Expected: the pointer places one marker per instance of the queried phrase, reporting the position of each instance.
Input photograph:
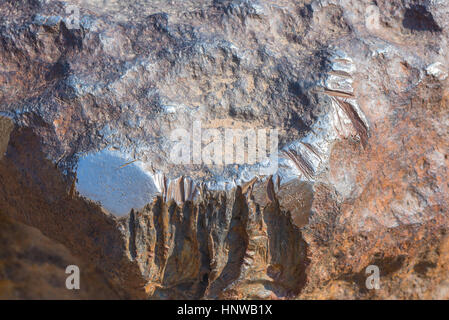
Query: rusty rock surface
(358, 91)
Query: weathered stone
(357, 90)
(34, 267)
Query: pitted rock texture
(357, 89)
(224, 248)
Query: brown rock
(358, 92)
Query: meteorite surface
(231, 149)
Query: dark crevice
(417, 18)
